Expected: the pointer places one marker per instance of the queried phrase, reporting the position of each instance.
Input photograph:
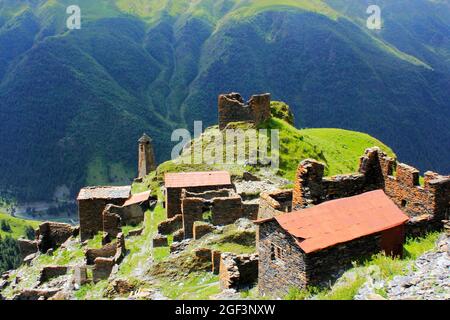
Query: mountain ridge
(166, 71)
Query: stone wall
(108, 250)
(192, 210)
(326, 265)
(171, 225)
(277, 276)
(238, 271)
(226, 210)
(250, 209)
(275, 203)
(106, 259)
(174, 196)
(114, 217)
(51, 272)
(283, 265)
(201, 229)
(51, 235)
(91, 215)
(378, 171)
(311, 188)
(27, 247)
(232, 108)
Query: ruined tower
(233, 108)
(147, 162)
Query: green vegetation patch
(338, 149)
(15, 227)
(195, 286)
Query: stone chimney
(147, 162)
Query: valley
(156, 66)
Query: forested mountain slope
(73, 103)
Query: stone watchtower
(147, 162)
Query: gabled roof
(106, 193)
(197, 179)
(145, 138)
(137, 198)
(342, 220)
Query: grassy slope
(339, 149)
(18, 226)
(104, 71)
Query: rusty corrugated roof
(342, 220)
(197, 179)
(90, 193)
(137, 198)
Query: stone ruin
(91, 204)
(131, 213)
(275, 203)
(233, 108)
(238, 271)
(107, 258)
(426, 205)
(217, 207)
(49, 235)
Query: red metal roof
(342, 220)
(197, 179)
(137, 198)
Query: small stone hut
(192, 182)
(310, 246)
(91, 203)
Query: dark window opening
(404, 203)
(272, 252)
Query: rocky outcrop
(27, 247)
(36, 294)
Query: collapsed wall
(238, 271)
(232, 108)
(275, 203)
(426, 205)
(225, 207)
(49, 235)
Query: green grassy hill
(340, 150)
(11, 229)
(18, 226)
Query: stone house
(192, 182)
(310, 246)
(91, 204)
